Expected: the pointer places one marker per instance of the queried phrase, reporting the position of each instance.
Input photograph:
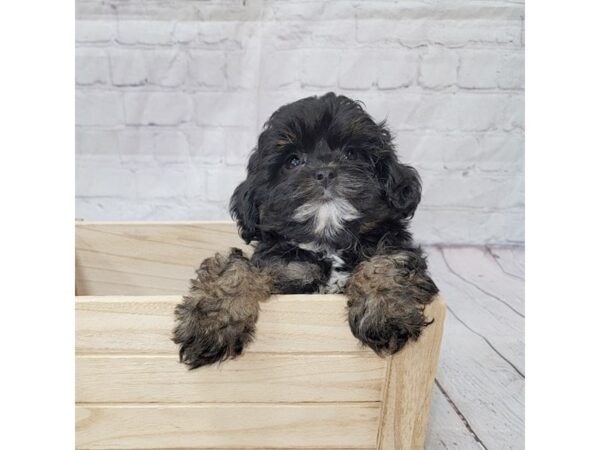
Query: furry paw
(386, 299)
(216, 320)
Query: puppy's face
(323, 173)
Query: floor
(478, 401)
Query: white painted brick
(270, 101)
(306, 11)
(468, 112)
(511, 73)
(113, 209)
(239, 144)
(440, 226)
(185, 32)
(91, 66)
(339, 33)
(396, 69)
(162, 146)
(501, 153)
(225, 109)
(240, 68)
(320, 68)
(190, 211)
(467, 140)
(478, 69)
(451, 33)
(289, 35)
(391, 31)
(224, 34)
(207, 145)
(207, 68)
(282, 69)
(128, 67)
(157, 108)
(398, 112)
(514, 113)
(438, 69)
(96, 144)
(472, 190)
(153, 32)
(98, 108)
(102, 181)
(94, 31)
(459, 33)
(357, 71)
(136, 147)
(439, 152)
(166, 68)
(164, 182)
(220, 185)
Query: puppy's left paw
(386, 299)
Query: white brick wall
(171, 95)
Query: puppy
(327, 205)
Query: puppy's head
(323, 172)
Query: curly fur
(327, 205)
(217, 318)
(386, 298)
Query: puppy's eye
(348, 154)
(293, 161)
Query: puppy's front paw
(217, 319)
(386, 299)
(207, 334)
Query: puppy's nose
(325, 176)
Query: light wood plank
(289, 323)
(484, 315)
(145, 258)
(410, 379)
(226, 426)
(510, 259)
(252, 378)
(478, 267)
(483, 386)
(446, 431)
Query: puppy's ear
(402, 188)
(401, 183)
(244, 210)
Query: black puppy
(327, 204)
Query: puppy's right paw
(217, 319)
(207, 334)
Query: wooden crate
(304, 383)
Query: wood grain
(252, 378)
(489, 319)
(483, 387)
(287, 324)
(349, 425)
(481, 270)
(145, 258)
(410, 379)
(446, 430)
(304, 383)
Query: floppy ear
(402, 187)
(401, 183)
(244, 210)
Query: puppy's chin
(327, 216)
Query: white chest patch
(338, 278)
(328, 216)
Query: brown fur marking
(217, 318)
(386, 298)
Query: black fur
(327, 205)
